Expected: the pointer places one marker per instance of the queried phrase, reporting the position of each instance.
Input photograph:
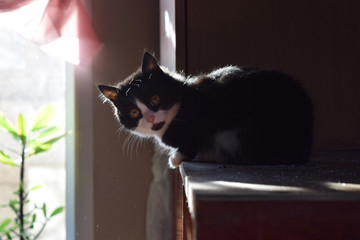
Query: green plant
(34, 140)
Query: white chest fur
(225, 145)
(149, 118)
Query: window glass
(29, 79)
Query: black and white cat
(233, 115)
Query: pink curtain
(9, 5)
(61, 19)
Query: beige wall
(121, 174)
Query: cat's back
(269, 111)
(251, 85)
(247, 86)
(219, 76)
(247, 77)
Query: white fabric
(159, 217)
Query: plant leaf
(6, 159)
(21, 128)
(55, 139)
(44, 209)
(36, 187)
(43, 117)
(4, 224)
(33, 220)
(14, 206)
(47, 132)
(39, 147)
(8, 126)
(57, 211)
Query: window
(29, 79)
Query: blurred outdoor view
(29, 79)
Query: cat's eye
(155, 100)
(134, 113)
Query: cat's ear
(111, 93)
(149, 64)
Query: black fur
(269, 112)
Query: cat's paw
(176, 159)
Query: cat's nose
(150, 118)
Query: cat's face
(147, 101)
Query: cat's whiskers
(120, 130)
(136, 142)
(130, 146)
(141, 143)
(125, 143)
(132, 143)
(128, 143)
